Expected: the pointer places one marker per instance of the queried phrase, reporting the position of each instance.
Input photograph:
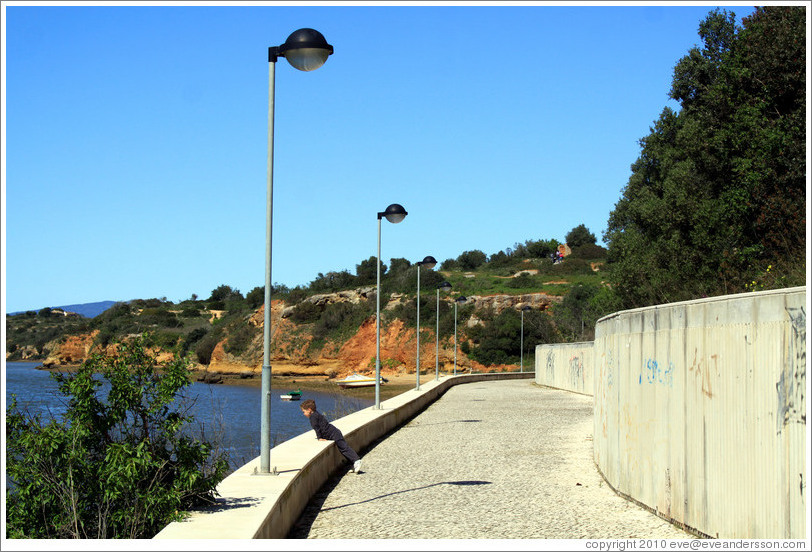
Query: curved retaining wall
(700, 411)
(267, 506)
(566, 366)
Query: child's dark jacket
(324, 429)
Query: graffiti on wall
(654, 373)
(577, 371)
(792, 384)
(702, 373)
(550, 366)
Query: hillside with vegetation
(715, 205)
(323, 328)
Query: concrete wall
(267, 506)
(700, 411)
(566, 366)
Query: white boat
(292, 395)
(357, 380)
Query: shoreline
(291, 377)
(396, 385)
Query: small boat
(292, 395)
(357, 380)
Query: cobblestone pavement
(496, 460)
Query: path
(496, 460)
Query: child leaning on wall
(325, 431)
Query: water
(227, 412)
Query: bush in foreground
(120, 462)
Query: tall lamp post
(429, 262)
(445, 286)
(457, 301)
(521, 347)
(394, 214)
(306, 50)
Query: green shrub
(192, 338)
(471, 260)
(190, 312)
(119, 464)
(588, 251)
(341, 319)
(522, 281)
(306, 312)
(240, 337)
(205, 347)
(160, 317)
(256, 296)
(498, 341)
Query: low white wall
(700, 411)
(253, 506)
(566, 366)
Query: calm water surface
(227, 412)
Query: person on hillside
(325, 431)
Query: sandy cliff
(291, 354)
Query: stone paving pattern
(498, 460)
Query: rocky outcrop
(354, 296)
(28, 352)
(498, 303)
(74, 350)
(224, 363)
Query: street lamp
(394, 214)
(445, 286)
(429, 262)
(456, 302)
(521, 347)
(306, 50)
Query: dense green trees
(580, 235)
(120, 463)
(366, 271)
(499, 339)
(717, 195)
(471, 260)
(579, 309)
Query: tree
(450, 264)
(224, 293)
(471, 260)
(334, 281)
(256, 297)
(580, 309)
(580, 235)
(500, 258)
(367, 271)
(718, 192)
(499, 341)
(399, 265)
(542, 249)
(120, 463)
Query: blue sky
(135, 136)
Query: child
(326, 431)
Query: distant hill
(88, 310)
(224, 333)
